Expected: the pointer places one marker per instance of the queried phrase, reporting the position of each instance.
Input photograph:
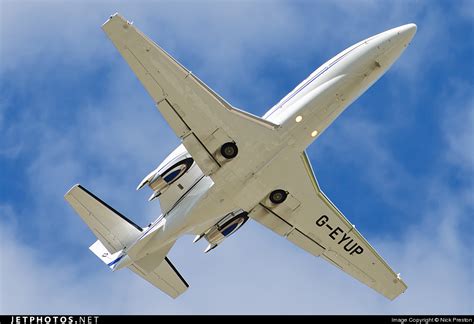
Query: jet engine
(223, 228)
(160, 179)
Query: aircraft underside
(233, 166)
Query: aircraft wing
(165, 277)
(201, 118)
(310, 220)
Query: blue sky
(399, 163)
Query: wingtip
(69, 192)
(401, 289)
(115, 16)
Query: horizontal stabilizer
(114, 230)
(165, 277)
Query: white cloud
(458, 124)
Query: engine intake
(223, 229)
(161, 178)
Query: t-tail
(116, 234)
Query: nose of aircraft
(397, 37)
(406, 32)
(389, 45)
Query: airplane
(232, 166)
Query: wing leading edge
(311, 221)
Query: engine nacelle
(173, 168)
(224, 228)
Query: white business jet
(233, 166)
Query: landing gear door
(207, 162)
